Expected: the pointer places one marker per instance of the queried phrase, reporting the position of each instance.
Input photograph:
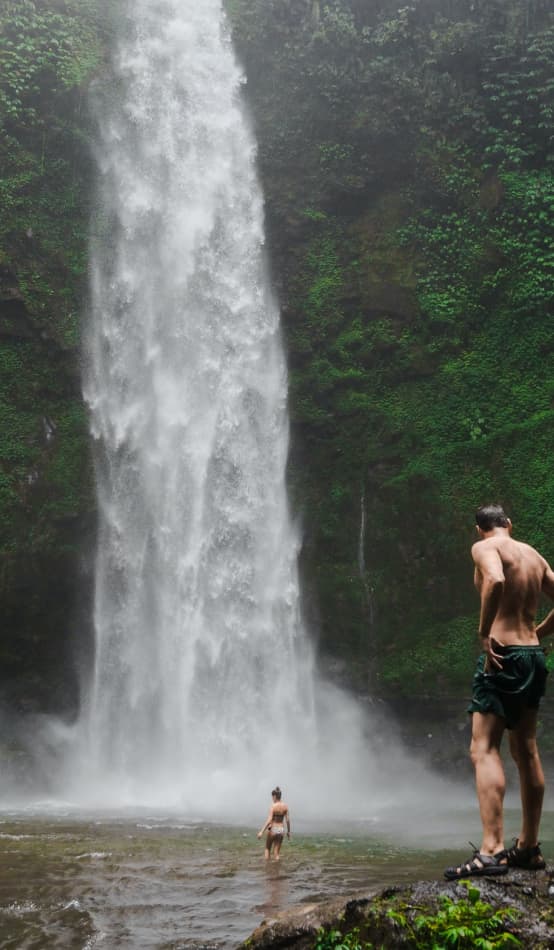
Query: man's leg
(523, 746)
(486, 736)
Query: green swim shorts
(518, 686)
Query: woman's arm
(267, 823)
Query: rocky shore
(418, 915)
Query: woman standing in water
(275, 825)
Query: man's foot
(530, 859)
(479, 865)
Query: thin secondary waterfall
(202, 666)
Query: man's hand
(493, 660)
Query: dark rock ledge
(523, 891)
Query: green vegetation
(334, 940)
(439, 662)
(457, 925)
(461, 925)
(46, 55)
(48, 52)
(406, 156)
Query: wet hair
(491, 516)
(276, 793)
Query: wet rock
(530, 894)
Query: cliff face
(48, 51)
(404, 152)
(405, 155)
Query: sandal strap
(483, 860)
(523, 857)
(477, 865)
(532, 851)
(488, 859)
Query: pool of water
(153, 881)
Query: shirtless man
(507, 687)
(275, 825)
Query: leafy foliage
(334, 940)
(44, 52)
(405, 151)
(457, 925)
(466, 923)
(49, 49)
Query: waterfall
(204, 681)
(202, 666)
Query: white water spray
(204, 680)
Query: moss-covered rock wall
(406, 155)
(49, 51)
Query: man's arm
(488, 564)
(547, 585)
(546, 626)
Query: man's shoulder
(487, 555)
(527, 549)
(506, 548)
(486, 544)
(525, 556)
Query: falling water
(202, 665)
(204, 680)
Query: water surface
(147, 881)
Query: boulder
(386, 918)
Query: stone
(528, 893)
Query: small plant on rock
(461, 925)
(334, 940)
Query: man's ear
(479, 531)
(510, 525)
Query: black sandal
(529, 859)
(479, 865)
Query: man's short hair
(491, 516)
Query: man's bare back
(520, 575)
